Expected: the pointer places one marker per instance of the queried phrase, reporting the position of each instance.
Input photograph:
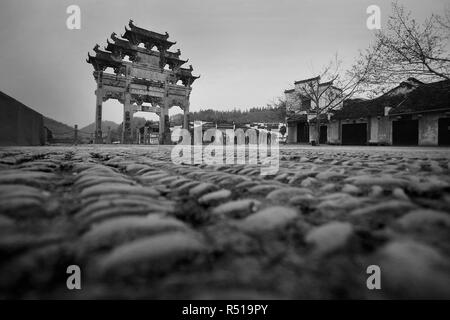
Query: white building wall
(373, 138)
(292, 132)
(333, 132)
(428, 130)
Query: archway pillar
(186, 116)
(164, 125)
(127, 115)
(146, 135)
(98, 115)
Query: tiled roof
(354, 109)
(426, 97)
(417, 97)
(297, 117)
(307, 80)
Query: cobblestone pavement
(141, 227)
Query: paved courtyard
(140, 226)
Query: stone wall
(19, 125)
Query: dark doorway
(405, 132)
(303, 132)
(323, 135)
(444, 132)
(354, 134)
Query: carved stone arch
(154, 86)
(151, 109)
(176, 102)
(121, 70)
(154, 101)
(137, 98)
(113, 95)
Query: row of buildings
(413, 113)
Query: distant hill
(61, 130)
(62, 133)
(258, 115)
(57, 128)
(105, 124)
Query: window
(306, 104)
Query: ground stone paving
(140, 226)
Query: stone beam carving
(113, 95)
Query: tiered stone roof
(128, 45)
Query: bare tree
(328, 91)
(406, 48)
(279, 104)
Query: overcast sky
(247, 51)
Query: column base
(98, 138)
